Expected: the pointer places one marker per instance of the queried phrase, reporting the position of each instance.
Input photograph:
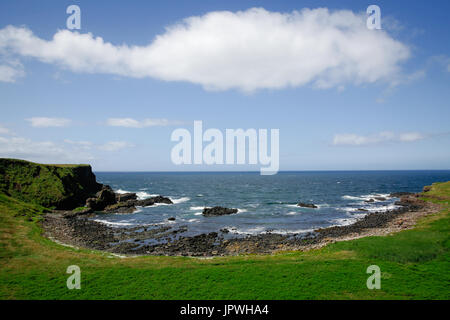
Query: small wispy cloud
(44, 122)
(110, 146)
(4, 130)
(133, 123)
(441, 60)
(386, 136)
(47, 151)
(84, 145)
(115, 146)
(10, 73)
(80, 143)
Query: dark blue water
(265, 203)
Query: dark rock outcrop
(129, 206)
(151, 201)
(105, 197)
(218, 211)
(410, 201)
(122, 197)
(121, 207)
(400, 194)
(307, 205)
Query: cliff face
(52, 186)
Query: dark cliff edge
(63, 187)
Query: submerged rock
(218, 211)
(307, 205)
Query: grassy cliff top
(62, 186)
(19, 161)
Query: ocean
(265, 203)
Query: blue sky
(339, 112)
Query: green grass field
(414, 264)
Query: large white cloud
(247, 50)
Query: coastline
(79, 231)
(418, 256)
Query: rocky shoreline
(78, 230)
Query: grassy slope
(415, 264)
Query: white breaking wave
(382, 208)
(197, 208)
(284, 232)
(163, 222)
(141, 195)
(366, 197)
(349, 209)
(246, 231)
(138, 209)
(261, 230)
(180, 200)
(116, 224)
(344, 221)
(242, 210)
(157, 204)
(198, 213)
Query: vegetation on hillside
(52, 186)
